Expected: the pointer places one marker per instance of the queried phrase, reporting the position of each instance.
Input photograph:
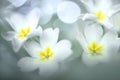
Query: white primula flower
(100, 11)
(46, 55)
(24, 27)
(98, 47)
(68, 11)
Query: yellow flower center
(24, 32)
(101, 16)
(46, 55)
(95, 49)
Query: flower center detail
(101, 16)
(95, 49)
(24, 32)
(46, 55)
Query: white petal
(82, 40)
(47, 69)
(89, 4)
(49, 37)
(17, 3)
(107, 24)
(17, 21)
(93, 33)
(33, 18)
(32, 48)
(28, 64)
(104, 2)
(49, 6)
(62, 50)
(17, 44)
(8, 36)
(89, 17)
(89, 60)
(46, 13)
(115, 9)
(36, 32)
(68, 11)
(54, 4)
(110, 43)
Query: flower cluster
(98, 36)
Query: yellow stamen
(95, 49)
(24, 32)
(101, 16)
(46, 55)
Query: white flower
(48, 8)
(98, 47)
(24, 27)
(100, 11)
(46, 55)
(68, 11)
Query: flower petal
(36, 32)
(8, 36)
(107, 24)
(17, 44)
(88, 16)
(62, 50)
(111, 44)
(32, 48)
(82, 40)
(47, 12)
(89, 4)
(114, 9)
(33, 18)
(88, 59)
(65, 14)
(28, 64)
(93, 33)
(104, 2)
(49, 37)
(16, 21)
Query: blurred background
(76, 69)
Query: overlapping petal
(49, 37)
(62, 50)
(28, 64)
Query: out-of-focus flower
(100, 11)
(68, 11)
(98, 47)
(46, 55)
(48, 8)
(24, 27)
